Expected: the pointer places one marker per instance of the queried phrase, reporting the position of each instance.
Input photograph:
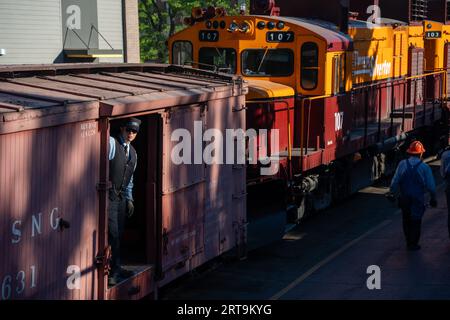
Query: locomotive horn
(220, 12)
(244, 27)
(233, 27)
(264, 7)
(197, 13)
(188, 21)
(210, 13)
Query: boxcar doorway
(137, 245)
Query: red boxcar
(54, 131)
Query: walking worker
(122, 164)
(413, 179)
(445, 173)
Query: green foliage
(159, 19)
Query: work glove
(130, 208)
(390, 196)
(433, 203)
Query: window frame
(218, 48)
(339, 70)
(310, 68)
(173, 51)
(292, 56)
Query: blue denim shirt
(112, 153)
(423, 170)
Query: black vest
(121, 169)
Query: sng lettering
(36, 225)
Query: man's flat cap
(132, 123)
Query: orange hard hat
(416, 148)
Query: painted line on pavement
(304, 276)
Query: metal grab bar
(401, 82)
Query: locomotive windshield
(267, 62)
(218, 59)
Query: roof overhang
(93, 53)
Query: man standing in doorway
(122, 164)
(413, 179)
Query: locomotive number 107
(280, 36)
(208, 35)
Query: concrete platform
(423, 274)
(328, 256)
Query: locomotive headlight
(271, 25)
(429, 26)
(280, 25)
(208, 24)
(233, 27)
(261, 25)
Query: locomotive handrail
(423, 75)
(400, 81)
(302, 132)
(288, 125)
(216, 69)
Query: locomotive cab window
(268, 62)
(182, 52)
(338, 74)
(218, 59)
(309, 65)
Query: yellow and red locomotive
(344, 94)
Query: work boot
(415, 235)
(407, 226)
(407, 231)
